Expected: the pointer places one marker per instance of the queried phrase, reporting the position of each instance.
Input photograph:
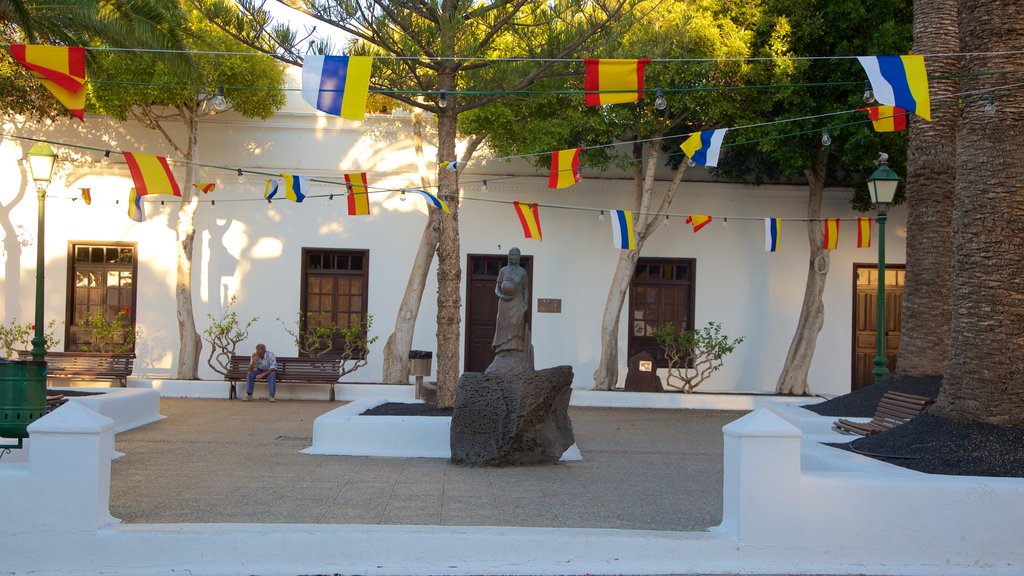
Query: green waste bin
(22, 396)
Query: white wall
(246, 248)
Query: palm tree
(122, 23)
(982, 380)
(931, 182)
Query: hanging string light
(241, 176)
(220, 103)
(483, 187)
(106, 158)
(659, 99)
(330, 200)
(601, 216)
(442, 99)
(990, 107)
(826, 138)
(402, 196)
(869, 94)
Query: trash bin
(420, 362)
(22, 396)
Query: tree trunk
(793, 379)
(607, 374)
(449, 268)
(189, 344)
(982, 380)
(931, 184)
(396, 349)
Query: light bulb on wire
(442, 98)
(826, 138)
(241, 176)
(106, 158)
(601, 216)
(869, 94)
(666, 220)
(483, 187)
(220, 103)
(330, 200)
(402, 196)
(659, 100)
(690, 162)
(990, 107)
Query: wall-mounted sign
(549, 305)
(646, 365)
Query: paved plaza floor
(213, 461)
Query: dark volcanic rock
(638, 380)
(512, 419)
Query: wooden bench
(894, 408)
(87, 365)
(323, 370)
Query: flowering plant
(14, 336)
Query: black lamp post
(40, 162)
(882, 187)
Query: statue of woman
(510, 334)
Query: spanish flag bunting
(886, 118)
(698, 221)
(61, 69)
(530, 220)
(151, 174)
(205, 187)
(358, 199)
(437, 202)
(899, 81)
(337, 85)
(771, 234)
(831, 234)
(622, 230)
(863, 232)
(136, 207)
(565, 168)
(610, 81)
(86, 195)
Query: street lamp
(882, 187)
(40, 162)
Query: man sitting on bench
(262, 365)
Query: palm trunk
(396, 349)
(449, 268)
(190, 346)
(931, 185)
(982, 380)
(793, 379)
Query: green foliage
(693, 355)
(316, 336)
(224, 334)
(790, 28)
(129, 80)
(102, 334)
(14, 336)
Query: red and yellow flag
(530, 219)
(610, 81)
(565, 168)
(358, 199)
(863, 232)
(698, 221)
(61, 69)
(830, 240)
(151, 174)
(205, 187)
(86, 195)
(886, 118)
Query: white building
(272, 256)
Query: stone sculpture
(511, 344)
(512, 419)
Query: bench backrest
(289, 368)
(86, 362)
(900, 406)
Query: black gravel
(928, 443)
(407, 409)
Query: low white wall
(878, 513)
(778, 518)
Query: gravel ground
(928, 443)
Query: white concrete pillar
(69, 464)
(762, 477)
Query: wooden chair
(894, 408)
